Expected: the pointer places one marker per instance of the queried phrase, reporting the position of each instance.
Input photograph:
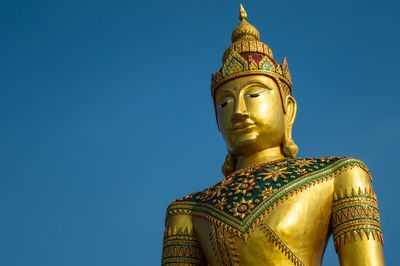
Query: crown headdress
(247, 55)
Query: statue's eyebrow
(252, 83)
(221, 94)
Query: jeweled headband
(248, 56)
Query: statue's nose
(238, 117)
(240, 111)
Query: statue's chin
(246, 144)
(253, 142)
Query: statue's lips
(243, 126)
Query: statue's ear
(290, 148)
(291, 110)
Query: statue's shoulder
(183, 206)
(178, 219)
(351, 174)
(348, 173)
(184, 201)
(343, 167)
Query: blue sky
(106, 114)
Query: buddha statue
(271, 208)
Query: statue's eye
(254, 95)
(224, 103)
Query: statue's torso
(297, 229)
(273, 214)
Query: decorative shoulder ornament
(247, 55)
(242, 199)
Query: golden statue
(271, 208)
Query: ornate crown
(248, 56)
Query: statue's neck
(263, 156)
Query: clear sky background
(106, 115)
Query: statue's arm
(355, 219)
(181, 246)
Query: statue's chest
(299, 223)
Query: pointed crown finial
(242, 13)
(244, 30)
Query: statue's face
(250, 114)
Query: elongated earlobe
(289, 148)
(229, 164)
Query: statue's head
(252, 97)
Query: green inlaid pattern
(242, 197)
